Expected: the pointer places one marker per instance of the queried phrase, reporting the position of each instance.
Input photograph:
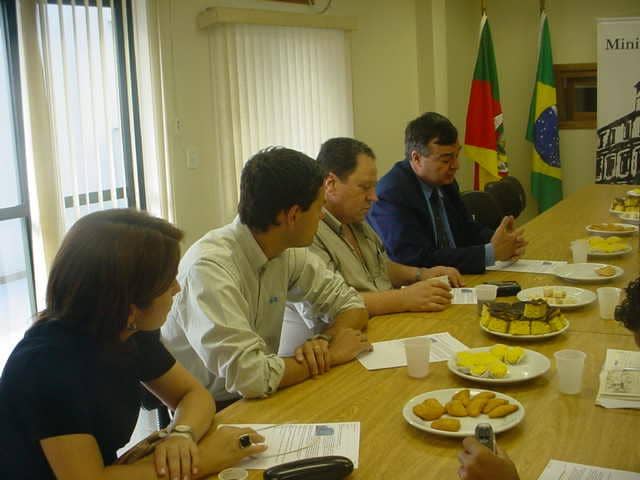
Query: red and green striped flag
(484, 135)
(542, 131)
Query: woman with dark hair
(69, 393)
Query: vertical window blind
(275, 85)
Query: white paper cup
(580, 250)
(233, 474)
(608, 299)
(485, 294)
(570, 367)
(417, 351)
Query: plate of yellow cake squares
(498, 364)
(524, 320)
(558, 296)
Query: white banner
(618, 148)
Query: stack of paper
(557, 470)
(528, 266)
(620, 380)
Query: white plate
(585, 272)
(597, 253)
(627, 217)
(531, 366)
(467, 424)
(634, 193)
(610, 233)
(617, 213)
(583, 297)
(526, 337)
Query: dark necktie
(442, 238)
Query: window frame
(134, 178)
(22, 210)
(568, 77)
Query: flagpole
(541, 6)
(483, 7)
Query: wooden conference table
(569, 428)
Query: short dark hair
(339, 155)
(628, 312)
(108, 261)
(274, 180)
(426, 127)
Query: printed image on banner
(618, 146)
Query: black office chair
(483, 208)
(509, 195)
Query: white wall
(408, 56)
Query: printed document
(289, 442)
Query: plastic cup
(570, 366)
(233, 474)
(580, 250)
(417, 351)
(608, 299)
(485, 294)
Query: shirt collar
(428, 189)
(338, 227)
(332, 222)
(249, 246)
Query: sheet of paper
(527, 266)
(296, 441)
(620, 380)
(462, 296)
(390, 354)
(557, 470)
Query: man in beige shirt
(350, 246)
(225, 323)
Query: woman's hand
(224, 448)
(178, 456)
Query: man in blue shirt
(420, 215)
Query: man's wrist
(418, 276)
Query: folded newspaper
(620, 380)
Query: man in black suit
(419, 213)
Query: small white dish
(585, 272)
(540, 336)
(532, 365)
(631, 229)
(581, 296)
(617, 253)
(634, 193)
(467, 424)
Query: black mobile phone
(485, 435)
(508, 288)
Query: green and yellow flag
(542, 131)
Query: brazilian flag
(542, 131)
